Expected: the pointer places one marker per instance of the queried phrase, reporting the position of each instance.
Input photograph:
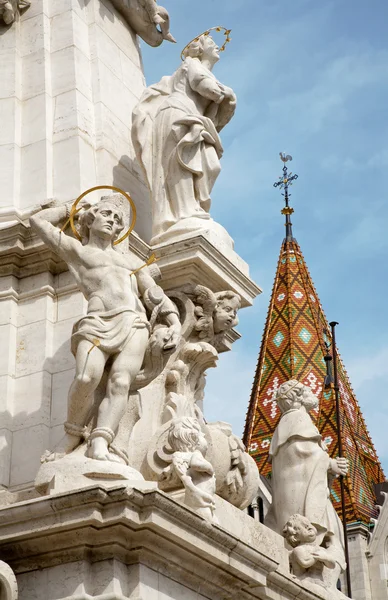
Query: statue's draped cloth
(179, 147)
(300, 485)
(113, 329)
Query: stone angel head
(216, 312)
(298, 530)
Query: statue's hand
(172, 337)
(229, 94)
(340, 466)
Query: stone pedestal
(126, 544)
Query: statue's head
(203, 47)
(105, 219)
(298, 530)
(185, 435)
(294, 394)
(225, 312)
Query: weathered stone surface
(123, 543)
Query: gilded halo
(74, 210)
(227, 33)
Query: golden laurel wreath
(227, 33)
(74, 210)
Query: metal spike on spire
(284, 182)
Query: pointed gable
(293, 348)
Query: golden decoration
(74, 211)
(152, 259)
(287, 210)
(227, 33)
(96, 343)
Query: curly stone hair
(183, 434)
(290, 531)
(293, 392)
(195, 48)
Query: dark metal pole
(340, 452)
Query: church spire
(285, 181)
(295, 345)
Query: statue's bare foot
(66, 445)
(98, 450)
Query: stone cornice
(197, 260)
(148, 527)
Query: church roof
(293, 347)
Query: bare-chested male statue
(115, 326)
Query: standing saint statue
(175, 131)
(302, 471)
(117, 289)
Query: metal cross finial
(284, 182)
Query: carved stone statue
(321, 565)
(207, 319)
(115, 329)
(149, 20)
(175, 135)
(10, 8)
(189, 445)
(302, 470)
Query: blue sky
(312, 80)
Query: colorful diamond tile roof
(293, 348)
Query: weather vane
(284, 182)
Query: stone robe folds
(300, 466)
(112, 329)
(178, 146)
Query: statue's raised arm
(113, 336)
(175, 133)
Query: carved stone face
(210, 49)
(107, 221)
(305, 532)
(310, 400)
(225, 315)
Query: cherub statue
(148, 19)
(318, 564)
(113, 337)
(189, 445)
(10, 8)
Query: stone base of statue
(125, 544)
(76, 471)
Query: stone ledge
(197, 260)
(148, 528)
(193, 260)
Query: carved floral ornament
(10, 9)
